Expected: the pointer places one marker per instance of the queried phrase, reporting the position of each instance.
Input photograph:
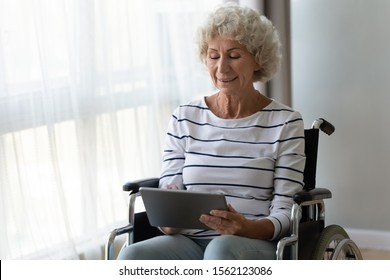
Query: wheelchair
(309, 239)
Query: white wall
(341, 71)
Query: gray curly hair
(249, 28)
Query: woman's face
(230, 65)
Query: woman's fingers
(225, 222)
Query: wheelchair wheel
(334, 244)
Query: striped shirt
(256, 161)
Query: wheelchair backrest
(311, 151)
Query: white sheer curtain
(86, 91)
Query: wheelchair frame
(309, 238)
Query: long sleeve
(288, 176)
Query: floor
(375, 254)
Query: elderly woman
(237, 142)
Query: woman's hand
(169, 230)
(231, 222)
(225, 222)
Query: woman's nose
(223, 65)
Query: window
(86, 91)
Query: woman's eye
(213, 56)
(234, 56)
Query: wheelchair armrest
(134, 186)
(314, 194)
(109, 250)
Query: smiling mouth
(227, 80)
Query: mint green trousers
(179, 247)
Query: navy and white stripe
(257, 161)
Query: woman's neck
(234, 106)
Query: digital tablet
(179, 208)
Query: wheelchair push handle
(324, 125)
